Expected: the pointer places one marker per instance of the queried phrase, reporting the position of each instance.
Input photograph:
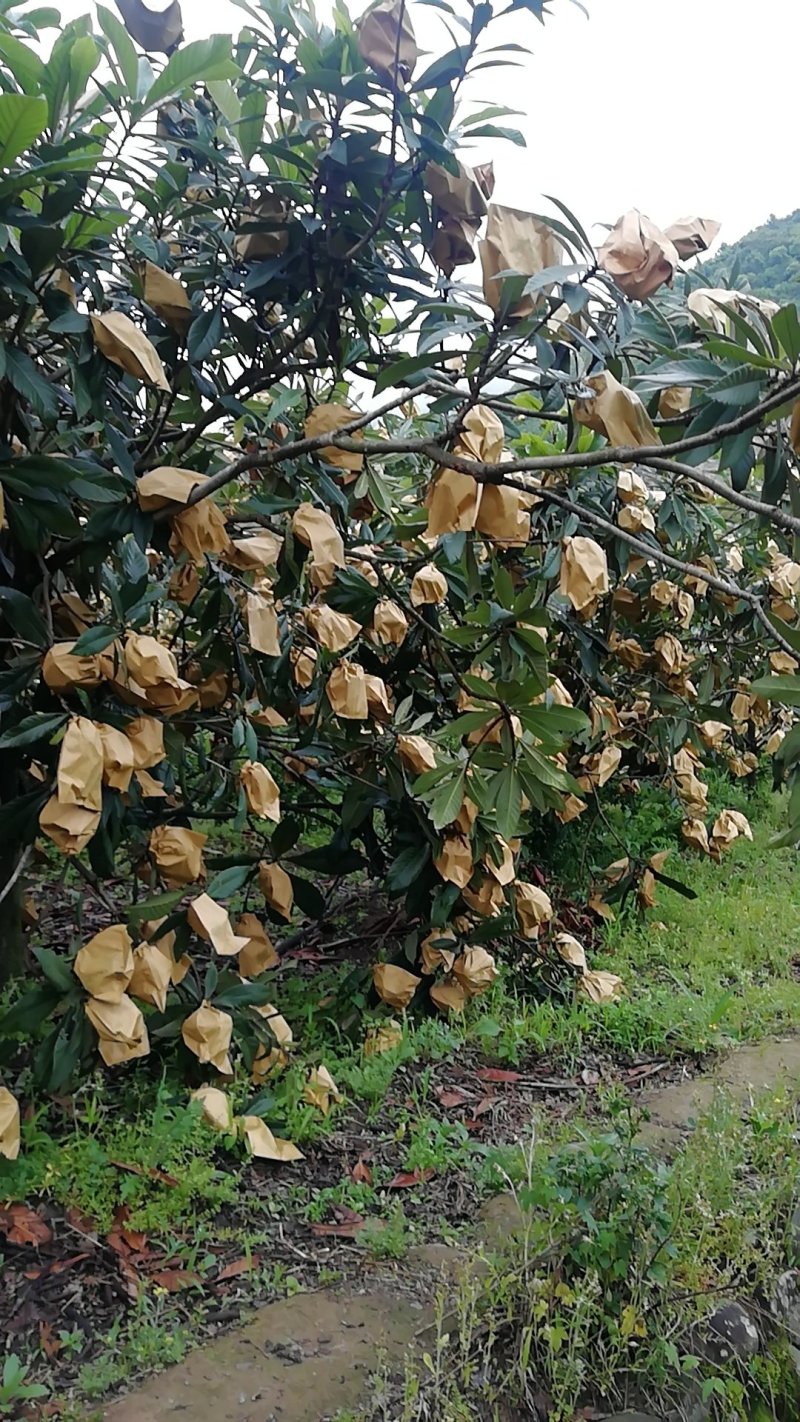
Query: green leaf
(24, 63)
(23, 117)
(448, 800)
(123, 46)
(778, 688)
(28, 383)
(250, 128)
(156, 907)
(229, 881)
(93, 640)
(407, 867)
(200, 61)
(38, 727)
(506, 796)
(24, 616)
(786, 327)
(56, 969)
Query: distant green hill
(766, 260)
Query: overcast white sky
(677, 107)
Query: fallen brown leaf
(497, 1074)
(173, 1280)
(452, 1098)
(21, 1225)
(49, 1344)
(238, 1266)
(405, 1179)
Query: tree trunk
(12, 940)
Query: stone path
(304, 1358)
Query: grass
(599, 1298)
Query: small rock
(785, 1302)
(731, 1334)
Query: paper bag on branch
(121, 1031)
(452, 502)
(516, 242)
(616, 412)
(481, 435)
(690, 235)
(379, 703)
(104, 965)
(9, 1125)
(262, 1144)
(571, 950)
(207, 1033)
(260, 791)
(69, 826)
(448, 996)
(122, 342)
(167, 297)
(394, 985)
(316, 529)
(533, 908)
(178, 854)
(457, 194)
(584, 573)
(304, 665)
(152, 975)
(320, 1090)
(383, 1037)
(695, 834)
(198, 531)
(79, 776)
(146, 736)
(327, 419)
(389, 623)
(62, 670)
(333, 630)
(258, 953)
(674, 401)
(216, 1106)
(475, 970)
(267, 233)
(387, 43)
(416, 753)
(210, 920)
(455, 862)
(453, 244)
(150, 663)
(638, 256)
(600, 986)
(255, 554)
(428, 586)
(118, 757)
(433, 950)
(276, 886)
(501, 516)
(347, 692)
(262, 625)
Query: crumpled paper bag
(168, 298)
(434, 952)
(387, 43)
(260, 791)
(455, 862)
(150, 663)
(255, 554)
(382, 1037)
(199, 531)
(481, 436)
(320, 1090)
(571, 809)
(416, 753)
(121, 1031)
(347, 691)
(165, 943)
(452, 501)
(262, 625)
(327, 419)
(453, 244)
(79, 777)
(379, 702)
(207, 1033)
(152, 975)
(125, 345)
(268, 236)
(638, 256)
(616, 412)
(210, 920)
(9, 1125)
(488, 899)
(217, 1107)
(146, 736)
(674, 401)
(533, 908)
(333, 630)
(694, 833)
(600, 986)
(304, 665)
(118, 756)
(69, 826)
(458, 194)
(389, 623)
(516, 241)
(584, 573)
(571, 950)
(62, 670)
(276, 886)
(104, 965)
(448, 995)
(429, 586)
(502, 517)
(262, 1144)
(690, 235)
(599, 768)
(475, 970)
(159, 488)
(258, 953)
(316, 529)
(728, 826)
(178, 853)
(394, 986)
